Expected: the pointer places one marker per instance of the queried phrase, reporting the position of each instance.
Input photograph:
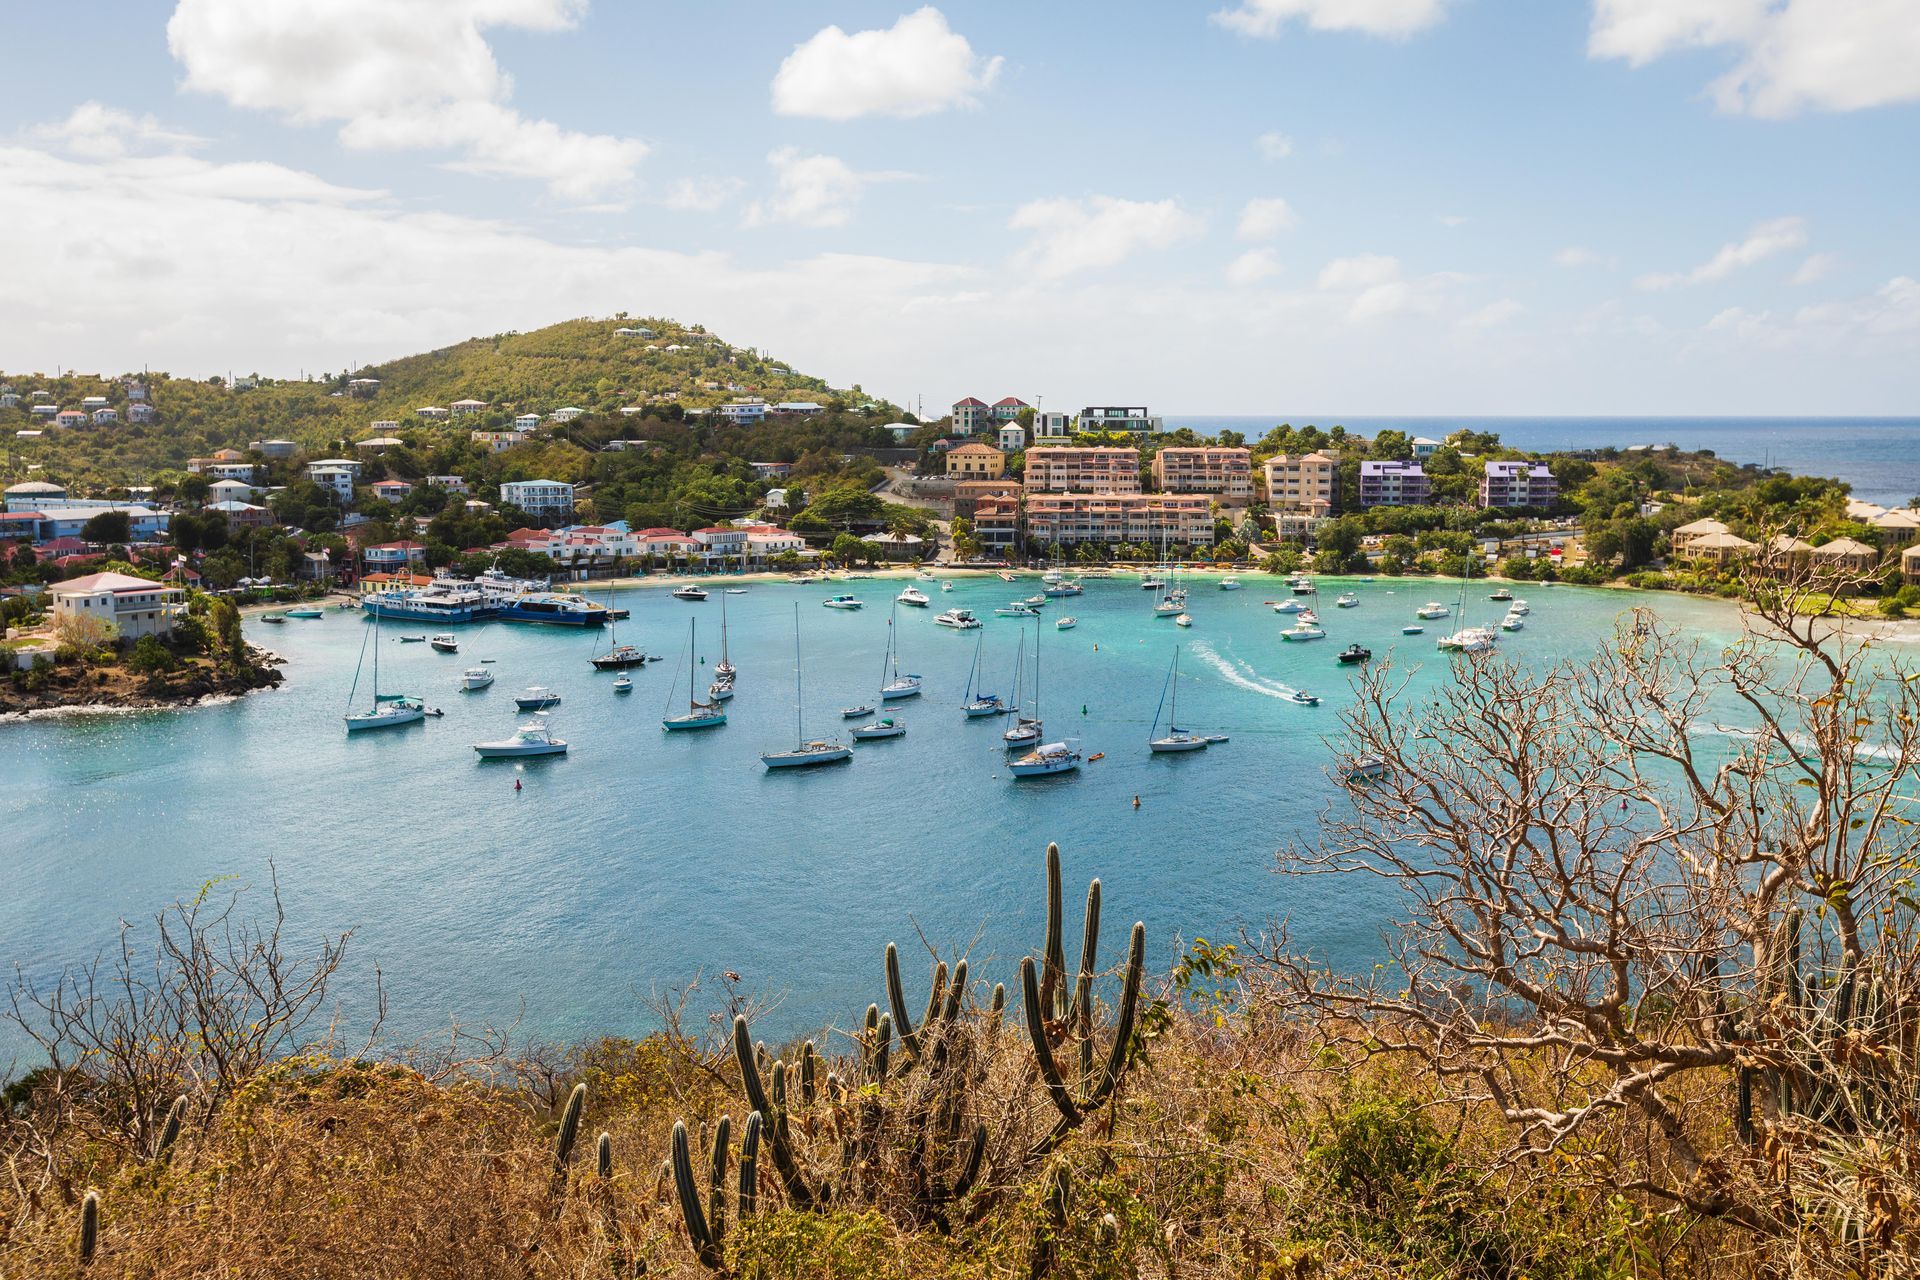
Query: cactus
(784, 1163)
(706, 1228)
(569, 1130)
(89, 1226)
(170, 1129)
(603, 1156)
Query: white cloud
(1080, 235)
(1273, 146)
(1253, 266)
(1576, 256)
(1395, 18)
(917, 66)
(1492, 315)
(96, 131)
(701, 195)
(813, 190)
(397, 76)
(1363, 271)
(1816, 268)
(1452, 220)
(1373, 286)
(1265, 218)
(1765, 240)
(1793, 55)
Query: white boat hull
(804, 759)
(516, 750)
(385, 719)
(876, 732)
(702, 721)
(1171, 746)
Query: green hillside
(580, 363)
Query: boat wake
(1239, 674)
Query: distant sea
(1878, 457)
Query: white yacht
(805, 751)
(1302, 631)
(389, 710)
(1183, 620)
(1468, 640)
(475, 678)
(958, 619)
(690, 592)
(537, 698)
(531, 739)
(874, 731)
(1054, 757)
(1229, 583)
(444, 642)
(1346, 600)
(1512, 622)
(1066, 622)
(1016, 609)
(1520, 607)
(1287, 606)
(895, 684)
(914, 596)
(1431, 609)
(1176, 739)
(841, 602)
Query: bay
(644, 858)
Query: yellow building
(976, 462)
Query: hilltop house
(526, 422)
(463, 407)
(1007, 408)
(542, 498)
(71, 418)
(363, 388)
(969, 415)
(104, 415)
(1013, 438)
(135, 606)
(568, 414)
(142, 413)
(391, 490)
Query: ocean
(643, 860)
(1878, 457)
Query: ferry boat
(554, 608)
(444, 602)
(958, 619)
(531, 739)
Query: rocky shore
(74, 686)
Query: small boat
(841, 602)
(894, 684)
(532, 739)
(1215, 739)
(690, 592)
(1167, 607)
(914, 596)
(1301, 631)
(537, 698)
(1520, 607)
(1054, 757)
(849, 713)
(623, 685)
(1065, 623)
(1015, 610)
(1412, 631)
(1346, 600)
(1512, 622)
(1229, 583)
(1501, 594)
(1308, 618)
(1366, 768)
(475, 678)
(981, 704)
(946, 586)
(389, 710)
(1302, 587)
(958, 619)
(305, 613)
(412, 639)
(1176, 739)
(1151, 583)
(698, 715)
(736, 591)
(1304, 698)
(1184, 620)
(923, 576)
(1431, 609)
(1063, 589)
(720, 691)
(1468, 640)
(1287, 606)
(1036, 602)
(445, 643)
(1006, 576)
(1355, 653)
(885, 727)
(272, 617)
(1098, 755)
(619, 658)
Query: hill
(663, 367)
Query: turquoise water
(644, 858)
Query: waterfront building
(721, 542)
(392, 556)
(1720, 548)
(1302, 484)
(135, 606)
(1393, 484)
(1070, 519)
(1224, 471)
(1069, 469)
(543, 498)
(1845, 555)
(968, 494)
(975, 461)
(1130, 418)
(1518, 484)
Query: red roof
(59, 545)
(526, 535)
(402, 545)
(719, 528)
(391, 484)
(1001, 404)
(969, 403)
(659, 533)
(114, 582)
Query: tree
(224, 568)
(150, 657)
(1391, 444)
(1621, 925)
(85, 632)
(108, 527)
(224, 621)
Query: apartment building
(976, 462)
(1073, 518)
(1221, 470)
(1117, 417)
(1394, 484)
(1083, 470)
(1518, 484)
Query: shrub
(150, 657)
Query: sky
(1219, 206)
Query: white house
(1424, 448)
(452, 484)
(722, 542)
(244, 472)
(633, 333)
(1013, 438)
(391, 490)
(526, 422)
(71, 418)
(431, 411)
(336, 476)
(799, 408)
(461, 407)
(92, 403)
(230, 491)
(104, 415)
(568, 414)
(543, 498)
(744, 410)
(135, 606)
(142, 413)
(1052, 426)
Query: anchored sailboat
(389, 709)
(1177, 739)
(723, 672)
(1026, 729)
(805, 751)
(984, 704)
(892, 684)
(699, 715)
(1050, 757)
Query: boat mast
(799, 730)
(1173, 714)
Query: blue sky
(1332, 206)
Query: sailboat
(1177, 739)
(618, 657)
(388, 709)
(699, 715)
(1026, 729)
(984, 704)
(805, 751)
(1049, 757)
(1468, 639)
(723, 671)
(893, 685)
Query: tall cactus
(569, 1130)
(170, 1130)
(706, 1227)
(785, 1163)
(89, 1226)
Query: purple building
(1518, 484)
(1394, 484)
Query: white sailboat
(1049, 757)
(723, 671)
(389, 710)
(698, 715)
(894, 685)
(806, 751)
(983, 704)
(1176, 739)
(618, 657)
(1026, 729)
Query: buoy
(1083, 708)
(1096, 648)
(516, 787)
(1136, 802)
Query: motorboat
(1184, 620)
(411, 639)
(620, 658)
(885, 727)
(273, 617)
(1061, 590)
(1016, 609)
(1354, 653)
(445, 643)
(915, 597)
(1287, 606)
(1520, 607)
(531, 739)
(1303, 698)
(1502, 594)
(1301, 631)
(624, 684)
(946, 586)
(1302, 587)
(842, 602)
(1512, 622)
(1036, 601)
(305, 613)
(1066, 622)
(958, 619)
(1412, 631)
(1431, 609)
(475, 678)
(736, 591)
(1006, 575)
(1229, 583)
(537, 698)
(1054, 757)
(690, 592)
(1366, 768)
(924, 576)
(1152, 583)
(720, 691)
(1469, 640)
(850, 713)
(1346, 600)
